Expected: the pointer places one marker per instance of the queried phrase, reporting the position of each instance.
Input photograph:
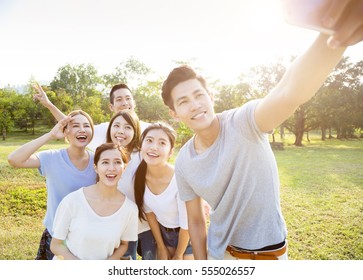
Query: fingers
(334, 12)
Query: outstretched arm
(24, 157)
(299, 84)
(42, 97)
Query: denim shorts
(171, 239)
(147, 245)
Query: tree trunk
(282, 133)
(4, 134)
(323, 133)
(307, 136)
(299, 126)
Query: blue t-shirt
(62, 178)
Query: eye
(128, 127)
(116, 125)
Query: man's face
(193, 105)
(122, 100)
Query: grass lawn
(321, 198)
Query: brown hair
(176, 76)
(132, 119)
(83, 113)
(105, 147)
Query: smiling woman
(109, 218)
(74, 161)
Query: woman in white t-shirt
(124, 130)
(96, 222)
(157, 196)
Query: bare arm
(42, 97)
(162, 251)
(299, 84)
(183, 242)
(24, 157)
(59, 249)
(197, 228)
(120, 251)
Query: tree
(130, 71)
(150, 106)
(231, 96)
(80, 81)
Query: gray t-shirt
(238, 177)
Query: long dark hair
(140, 174)
(132, 119)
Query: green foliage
(149, 105)
(23, 201)
(321, 197)
(184, 134)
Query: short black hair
(116, 87)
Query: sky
(222, 37)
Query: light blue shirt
(62, 178)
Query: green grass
(321, 198)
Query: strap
(255, 255)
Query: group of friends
(113, 194)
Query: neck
(76, 152)
(157, 170)
(205, 138)
(106, 192)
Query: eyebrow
(150, 137)
(193, 93)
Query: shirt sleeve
(45, 158)
(130, 233)
(186, 193)
(62, 219)
(182, 209)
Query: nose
(112, 166)
(195, 105)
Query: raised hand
(58, 131)
(40, 96)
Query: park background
(319, 150)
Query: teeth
(152, 155)
(198, 115)
(81, 137)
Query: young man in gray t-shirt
(229, 163)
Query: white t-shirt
(100, 132)
(169, 210)
(126, 185)
(89, 236)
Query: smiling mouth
(81, 137)
(199, 115)
(152, 155)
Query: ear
(95, 168)
(171, 152)
(110, 106)
(173, 114)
